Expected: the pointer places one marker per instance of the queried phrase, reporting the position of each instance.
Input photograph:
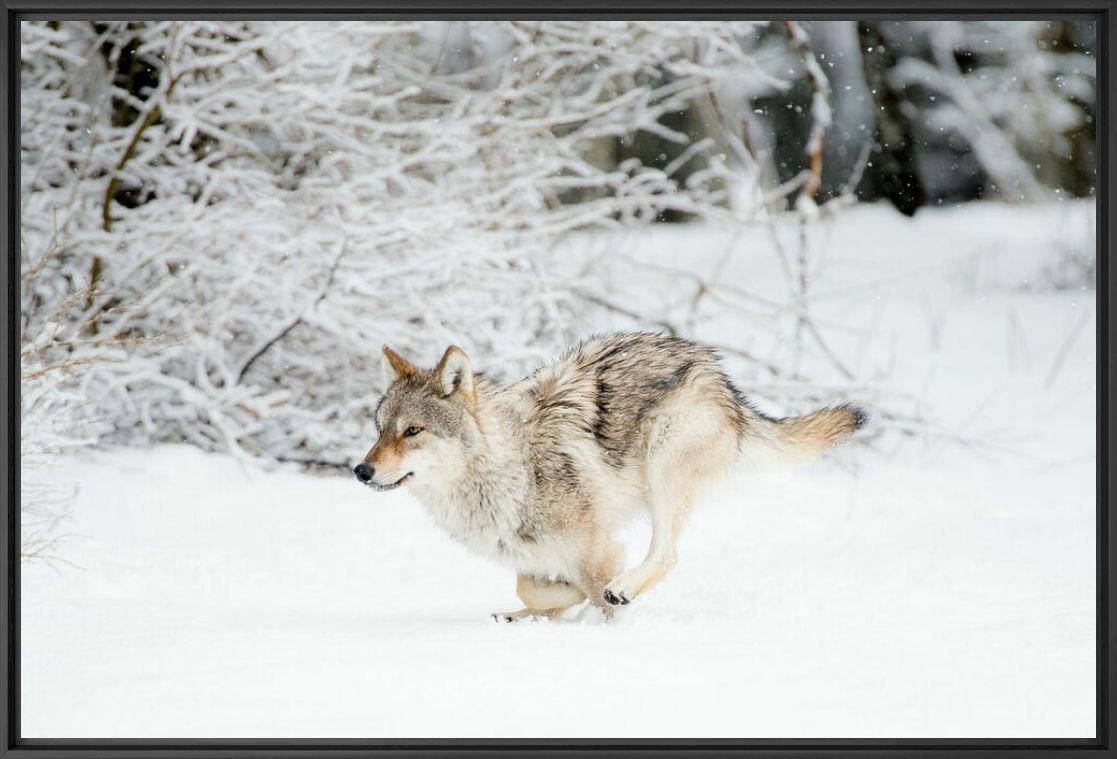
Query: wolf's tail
(769, 442)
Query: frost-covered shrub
(55, 419)
(255, 207)
(1015, 92)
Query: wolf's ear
(453, 374)
(401, 367)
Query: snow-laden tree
(255, 207)
(1016, 92)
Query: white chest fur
(490, 525)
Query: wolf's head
(425, 422)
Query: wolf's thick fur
(540, 473)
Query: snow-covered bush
(256, 207)
(238, 214)
(48, 429)
(1011, 90)
(55, 418)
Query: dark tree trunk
(893, 173)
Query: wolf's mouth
(391, 485)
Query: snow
(920, 587)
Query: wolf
(541, 473)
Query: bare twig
(312, 462)
(597, 300)
(821, 114)
(672, 329)
(1064, 350)
(297, 320)
(36, 547)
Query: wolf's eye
(412, 431)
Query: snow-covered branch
(207, 177)
(1015, 110)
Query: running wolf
(539, 474)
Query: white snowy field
(922, 587)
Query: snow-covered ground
(918, 588)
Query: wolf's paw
(616, 599)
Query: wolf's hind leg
(676, 474)
(543, 599)
(667, 507)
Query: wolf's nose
(363, 471)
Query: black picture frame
(1102, 12)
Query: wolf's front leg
(543, 599)
(602, 558)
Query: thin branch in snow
(821, 113)
(298, 320)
